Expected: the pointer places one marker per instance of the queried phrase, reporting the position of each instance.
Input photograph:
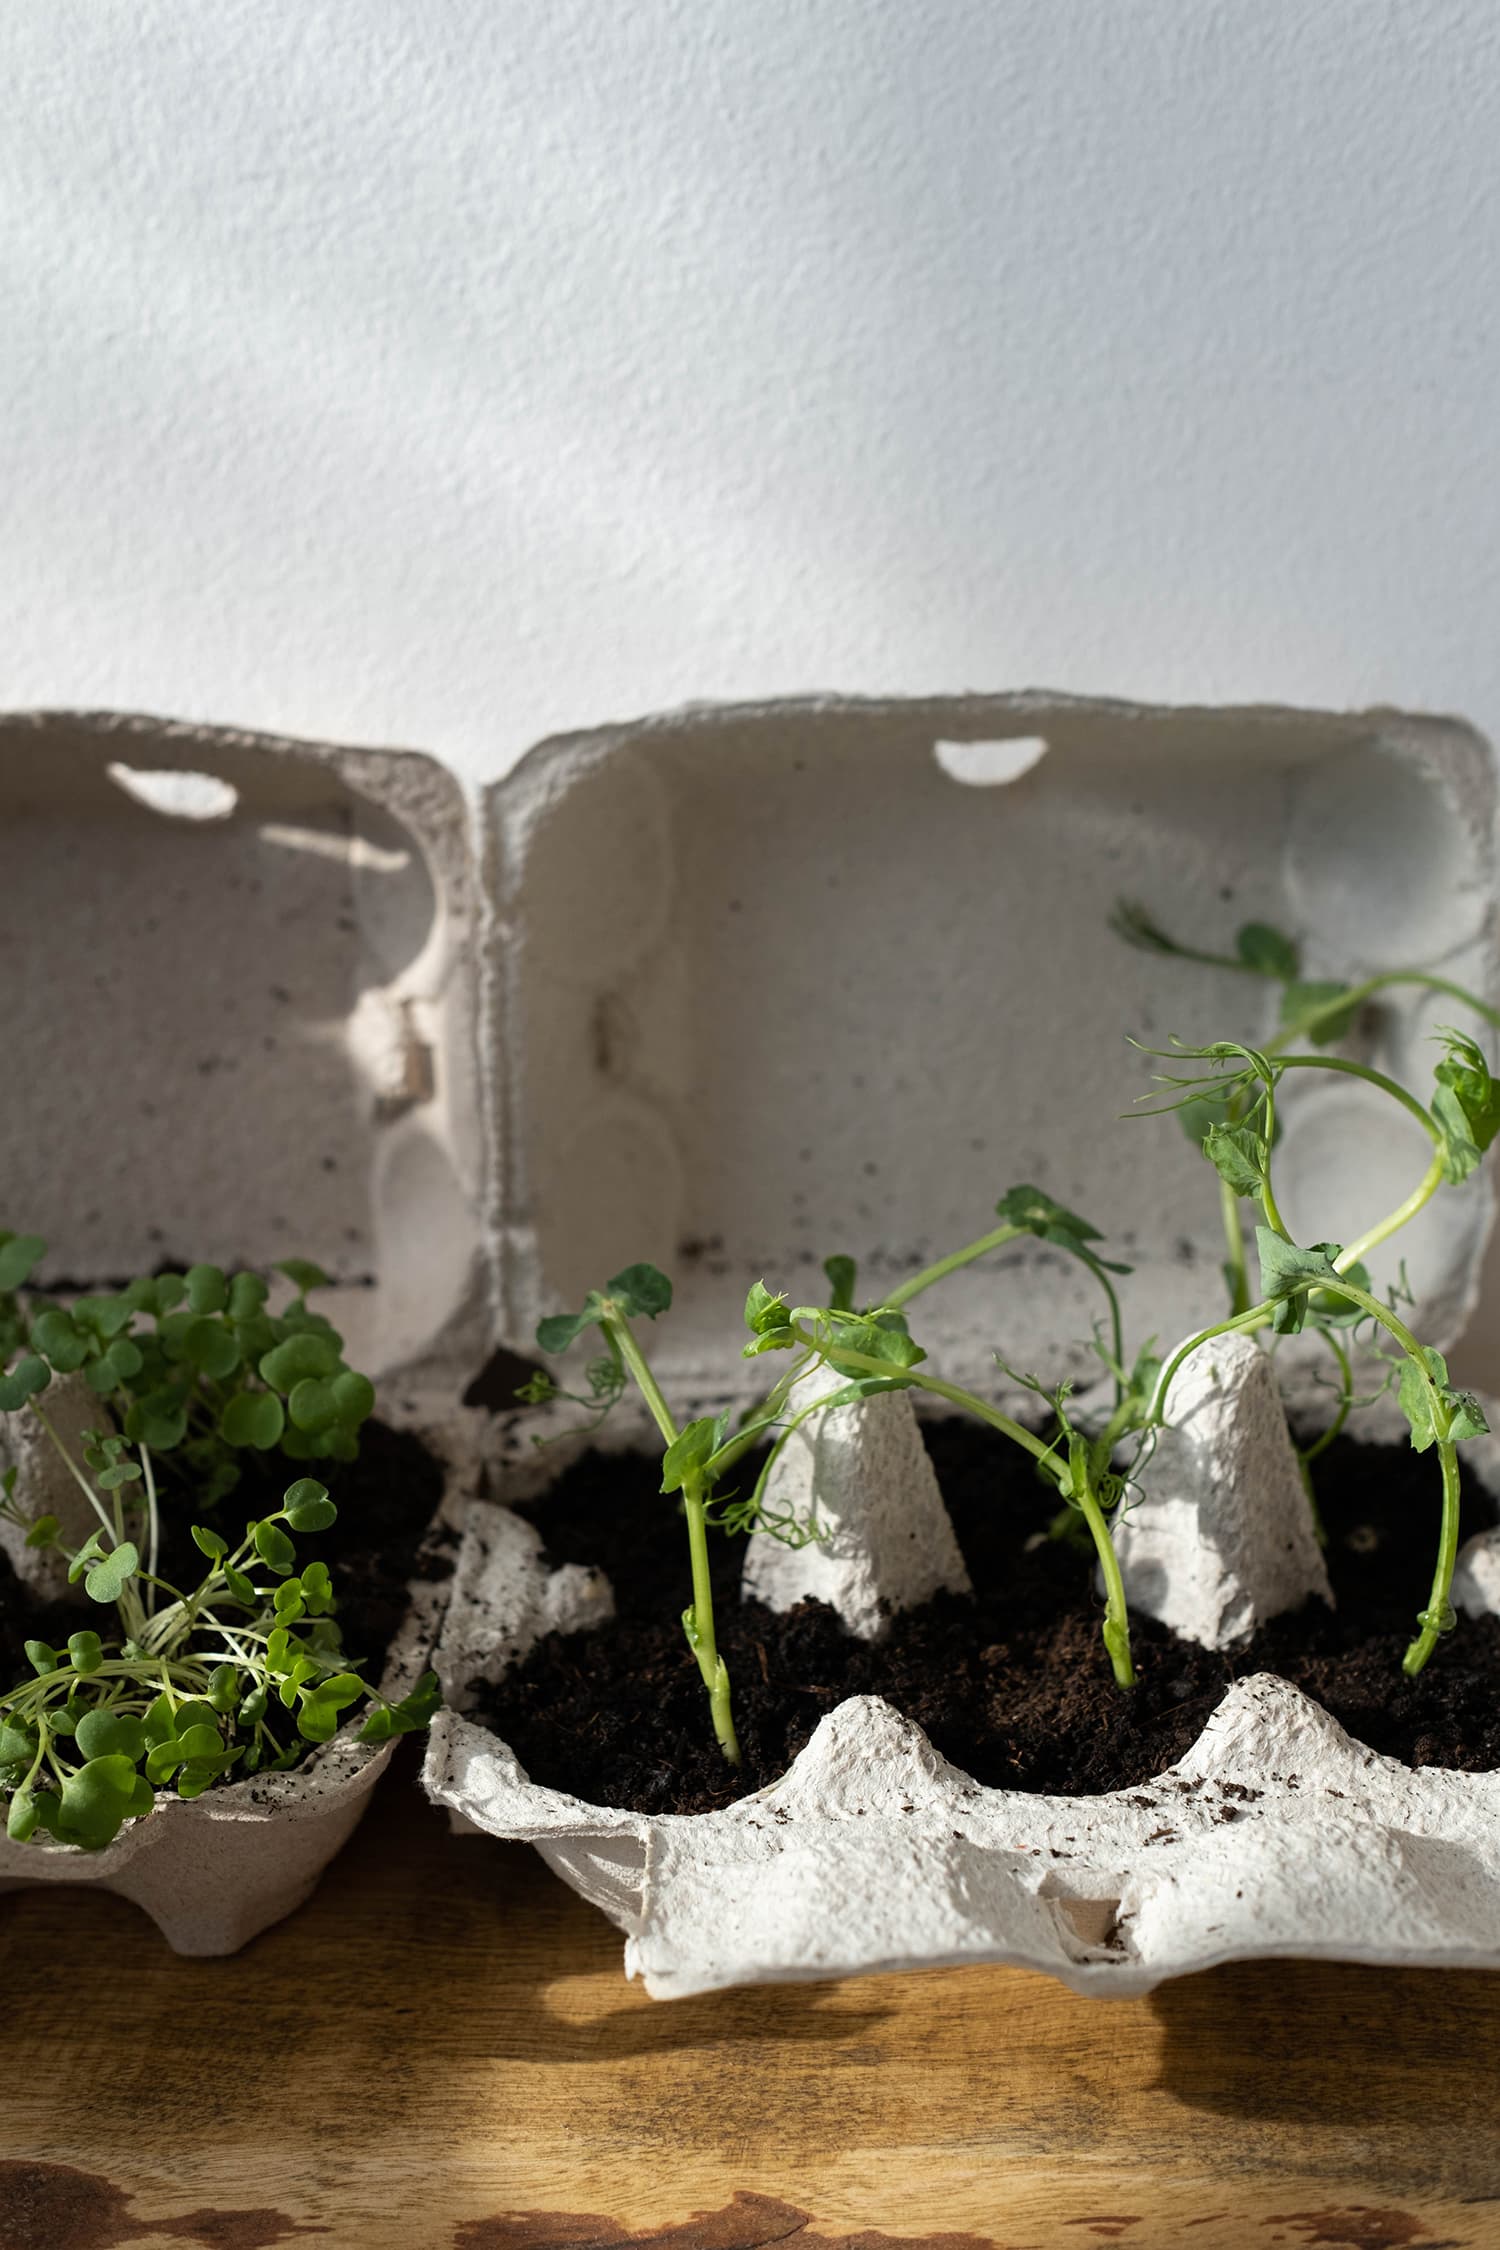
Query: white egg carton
(729, 990)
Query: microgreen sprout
(239, 1675)
(191, 1366)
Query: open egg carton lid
(240, 1002)
(728, 990)
(766, 984)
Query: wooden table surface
(441, 2053)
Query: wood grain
(441, 2051)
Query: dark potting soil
(385, 1499)
(1012, 1685)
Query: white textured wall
(449, 374)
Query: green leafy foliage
(1267, 952)
(1323, 1013)
(1286, 1271)
(637, 1292)
(1426, 1393)
(1038, 1214)
(842, 1274)
(239, 1676)
(1238, 1154)
(1466, 1105)
(411, 1715)
(883, 1335)
(191, 1366)
(691, 1451)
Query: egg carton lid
(729, 989)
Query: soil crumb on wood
(1013, 1686)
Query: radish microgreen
(239, 1675)
(244, 1670)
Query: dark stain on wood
(58, 2207)
(746, 2222)
(1361, 2226)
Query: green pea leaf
(307, 1506)
(43, 1532)
(17, 1744)
(1050, 1221)
(18, 1254)
(1465, 1415)
(842, 1274)
(1466, 1105)
(253, 1418)
(559, 1330)
(25, 1379)
(300, 1356)
(209, 1543)
(273, 1547)
(1329, 1005)
(1269, 952)
(641, 1292)
(239, 1585)
(691, 1450)
(1238, 1154)
(41, 1658)
(1285, 1269)
(86, 1653)
(880, 1335)
(104, 1734)
(109, 1578)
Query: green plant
(1096, 1461)
(1315, 1012)
(876, 1351)
(1325, 1287)
(187, 1366)
(192, 1374)
(240, 1675)
(1327, 1283)
(696, 1455)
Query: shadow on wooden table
(441, 2053)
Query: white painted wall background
(448, 375)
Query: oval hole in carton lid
(988, 765)
(177, 794)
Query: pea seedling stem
(698, 1618)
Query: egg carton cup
(214, 1871)
(1276, 1834)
